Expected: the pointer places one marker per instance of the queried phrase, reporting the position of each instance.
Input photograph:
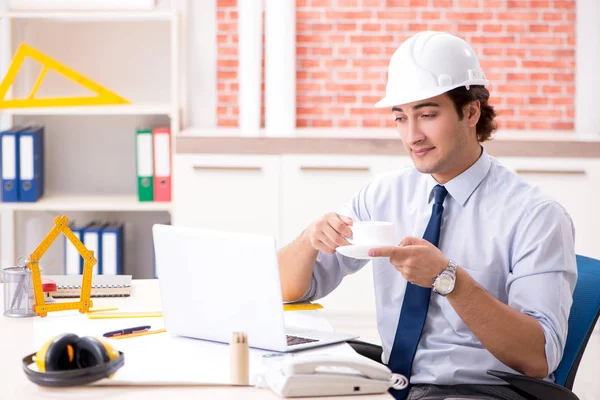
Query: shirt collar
(462, 186)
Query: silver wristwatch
(443, 284)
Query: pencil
(139, 334)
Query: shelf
(88, 203)
(78, 16)
(133, 109)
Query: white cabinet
(574, 183)
(314, 185)
(229, 192)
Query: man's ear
(473, 112)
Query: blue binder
(112, 249)
(73, 260)
(31, 160)
(92, 240)
(9, 143)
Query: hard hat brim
(410, 97)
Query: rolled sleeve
(330, 269)
(544, 273)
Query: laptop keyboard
(293, 340)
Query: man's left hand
(417, 260)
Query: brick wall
(526, 48)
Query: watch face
(444, 284)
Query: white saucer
(358, 251)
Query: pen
(127, 331)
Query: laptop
(214, 283)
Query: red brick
(539, 28)
(371, 27)
(321, 27)
(543, 64)
(227, 51)
(514, 124)
(492, 39)
(320, 3)
(302, 50)
(469, 16)
(539, 125)
(518, 16)
(320, 75)
(527, 112)
(226, 74)
(396, 3)
(345, 27)
(442, 27)
(336, 111)
(348, 15)
(397, 15)
(463, 28)
(227, 123)
(517, 4)
(316, 38)
(562, 125)
(346, 99)
(540, 4)
(346, 75)
(468, 3)
(322, 123)
(490, 64)
(316, 99)
(487, 4)
(347, 51)
(538, 101)
(309, 63)
(516, 77)
(518, 88)
(564, 77)
(569, 29)
(347, 3)
(371, 50)
(539, 76)
(540, 40)
(395, 27)
(562, 101)
(322, 51)
(551, 89)
(431, 15)
(564, 5)
(226, 3)
(493, 51)
(493, 28)
(301, 122)
(515, 101)
(348, 123)
(418, 3)
(336, 63)
(372, 123)
(308, 87)
(510, 28)
(443, 3)
(553, 16)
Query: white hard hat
(429, 64)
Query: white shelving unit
(95, 43)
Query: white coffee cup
(372, 233)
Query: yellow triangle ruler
(105, 96)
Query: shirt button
(418, 370)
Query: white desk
(18, 340)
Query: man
(484, 272)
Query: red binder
(161, 140)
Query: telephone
(322, 375)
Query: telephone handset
(321, 375)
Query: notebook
(102, 285)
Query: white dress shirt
(505, 233)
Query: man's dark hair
(461, 97)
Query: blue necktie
(415, 305)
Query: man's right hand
(329, 232)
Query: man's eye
(428, 115)
(400, 119)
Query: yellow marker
(301, 306)
(139, 334)
(104, 96)
(124, 314)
